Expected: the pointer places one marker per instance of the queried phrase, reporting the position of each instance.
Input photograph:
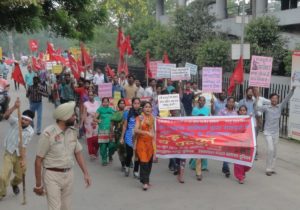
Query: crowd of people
(126, 127)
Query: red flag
(33, 45)
(148, 72)
(237, 76)
(86, 58)
(50, 48)
(80, 66)
(120, 38)
(166, 58)
(41, 55)
(17, 75)
(128, 45)
(35, 65)
(122, 65)
(109, 71)
(74, 66)
(58, 51)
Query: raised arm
(287, 98)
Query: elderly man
(14, 159)
(57, 146)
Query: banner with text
(181, 73)
(169, 102)
(193, 68)
(294, 123)
(164, 70)
(153, 68)
(212, 79)
(105, 90)
(260, 71)
(230, 139)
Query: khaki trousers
(58, 186)
(11, 163)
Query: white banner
(164, 70)
(182, 73)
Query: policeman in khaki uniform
(56, 149)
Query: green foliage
(214, 52)
(192, 25)
(263, 34)
(68, 18)
(287, 60)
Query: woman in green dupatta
(116, 131)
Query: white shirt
(260, 103)
(140, 92)
(123, 83)
(98, 79)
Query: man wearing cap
(14, 160)
(56, 149)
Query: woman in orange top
(144, 130)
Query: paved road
(111, 190)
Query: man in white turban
(57, 147)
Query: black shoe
(15, 189)
(227, 174)
(176, 172)
(38, 133)
(269, 173)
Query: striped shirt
(11, 141)
(35, 93)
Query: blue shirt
(11, 141)
(218, 106)
(170, 88)
(118, 88)
(200, 111)
(128, 138)
(29, 78)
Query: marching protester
(90, 127)
(240, 170)
(15, 154)
(103, 116)
(122, 80)
(144, 131)
(140, 90)
(99, 78)
(130, 88)
(201, 110)
(55, 159)
(258, 114)
(229, 110)
(3, 68)
(128, 137)
(151, 90)
(271, 127)
(35, 93)
(170, 86)
(218, 104)
(4, 97)
(29, 77)
(66, 89)
(116, 131)
(116, 87)
(187, 97)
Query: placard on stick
(193, 68)
(212, 79)
(169, 102)
(260, 71)
(105, 90)
(153, 68)
(164, 70)
(181, 73)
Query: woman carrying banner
(200, 110)
(116, 131)
(103, 117)
(91, 129)
(128, 137)
(240, 170)
(144, 131)
(227, 111)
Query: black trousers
(128, 159)
(145, 170)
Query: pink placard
(212, 79)
(153, 68)
(260, 71)
(105, 90)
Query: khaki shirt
(57, 147)
(130, 91)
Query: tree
(214, 52)
(192, 25)
(68, 18)
(287, 61)
(263, 34)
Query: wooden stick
(21, 151)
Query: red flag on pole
(17, 75)
(86, 58)
(50, 48)
(166, 57)
(74, 67)
(237, 76)
(35, 65)
(33, 45)
(109, 71)
(128, 45)
(120, 38)
(148, 71)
